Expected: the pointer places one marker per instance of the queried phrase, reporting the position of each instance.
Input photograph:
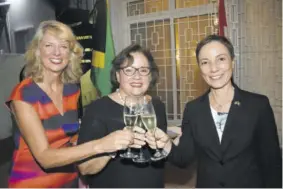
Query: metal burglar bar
(171, 30)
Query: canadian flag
(221, 17)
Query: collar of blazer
(236, 99)
(231, 127)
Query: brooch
(237, 103)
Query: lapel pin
(237, 103)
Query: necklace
(119, 95)
(219, 106)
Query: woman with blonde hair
(44, 106)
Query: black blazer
(249, 154)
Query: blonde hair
(34, 67)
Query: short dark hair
(125, 56)
(221, 39)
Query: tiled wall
(258, 41)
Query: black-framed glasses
(130, 71)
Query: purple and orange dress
(60, 130)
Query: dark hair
(221, 39)
(125, 56)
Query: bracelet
(112, 155)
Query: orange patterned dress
(59, 129)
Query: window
(171, 30)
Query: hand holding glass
(130, 112)
(140, 157)
(149, 120)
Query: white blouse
(219, 121)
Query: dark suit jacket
(249, 154)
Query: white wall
(261, 51)
(118, 28)
(26, 13)
(10, 67)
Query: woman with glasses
(133, 72)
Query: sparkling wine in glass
(141, 158)
(149, 120)
(130, 112)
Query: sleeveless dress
(60, 131)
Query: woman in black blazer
(230, 132)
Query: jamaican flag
(103, 49)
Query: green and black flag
(103, 49)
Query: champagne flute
(149, 120)
(140, 157)
(130, 112)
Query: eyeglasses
(130, 71)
